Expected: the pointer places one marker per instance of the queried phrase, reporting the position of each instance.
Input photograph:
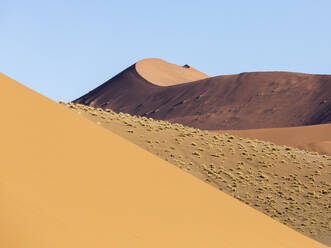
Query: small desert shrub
(196, 153)
(261, 175)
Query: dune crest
(59, 191)
(162, 73)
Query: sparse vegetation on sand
(290, 185)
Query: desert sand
(287, 184)
(66, 182)
(311, 138)
(242, 101)
(162, 73)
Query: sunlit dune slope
(242, 101)
(162, 73)
(312, 138)
(65, 182)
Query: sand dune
(242, 101)
(287, 184)
(162, 73)
(322, 147)
(312, 138)
(66, 182)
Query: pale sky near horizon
(63, 49)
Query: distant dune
(66, 182)
(322, 147)
(311, 138)
(243, 101)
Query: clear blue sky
(65, 48)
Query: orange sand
(162, 73)
(312, 138)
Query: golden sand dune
(66, 182)
(312, 138)
(162, 73)
(287, 184)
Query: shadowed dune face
(315, 138)
(57, 190)
(162, 73)
(243, 101)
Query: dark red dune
(242, 101)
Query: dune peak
(162, 73)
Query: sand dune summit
(162, 73)
(58, 190)
(155, 89)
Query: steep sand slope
(311, 138)
(242, 101)
(162, 73)
(287, 184)
(65, 182)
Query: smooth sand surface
(162, 73)
(322, 147)
(66, 182)
(312, 138)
